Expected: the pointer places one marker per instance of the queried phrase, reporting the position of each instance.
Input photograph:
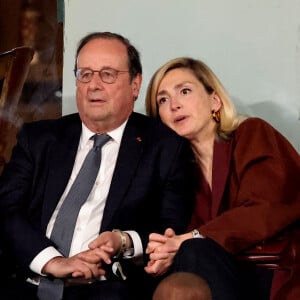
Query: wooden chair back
(14, 67)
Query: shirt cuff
(137, 244)
(42, 258)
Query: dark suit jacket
(150, 189)
(255, 192)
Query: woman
(248, 178)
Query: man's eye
(86, 74)
(107, 73)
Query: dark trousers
(102, 290)
(96, 291)
(227, 279)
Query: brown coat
(255, 188)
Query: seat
(14, 67)
(281, 254)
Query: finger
(149, 270)
(86, 271)
(101, 271)
(155, 237)
(77, 274)
(159, 267)
(166, 249)
(152, 246)
(155, 269)
(97, 270)
(104, 256)
(107, 248)
(150, 263)
(170, 232)
(159, 255)
(95, 244)
(90, 257)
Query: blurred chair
(281, 254)
(14, 67)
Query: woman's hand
(161, 250)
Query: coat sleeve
(262, 194)
(20, 235)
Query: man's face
(105, 106)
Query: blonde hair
(230, 119)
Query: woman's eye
(161, 100)
(185, 91)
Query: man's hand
(62, 267)
(87, 264)
(109, 240)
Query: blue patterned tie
(63, 229)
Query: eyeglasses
(107, 75)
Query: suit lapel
(129, 155)
(62, 152)
(221, 165)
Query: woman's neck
(203, 150)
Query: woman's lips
(179, 119)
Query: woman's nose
(175, 105)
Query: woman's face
(185, 106)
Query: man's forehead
(106, 50)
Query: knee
(195, 250)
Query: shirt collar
(115, 134)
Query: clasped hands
(88, 264)
(161, 250)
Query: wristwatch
(124, 251)
(196, 234)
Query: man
(143, 184)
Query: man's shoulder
(152, 126)
(52, 125)
(45, 132)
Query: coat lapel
(221, 165)
(129, 155)
(61, 157)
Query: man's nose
(96, 81)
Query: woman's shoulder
(255, 122)
(254, 127)
(256, 132)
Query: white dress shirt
(90, 215)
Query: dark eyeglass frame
(100, 72)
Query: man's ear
(136, 85)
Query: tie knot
(100, 140)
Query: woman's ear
(216, 102)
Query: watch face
(196, 234)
